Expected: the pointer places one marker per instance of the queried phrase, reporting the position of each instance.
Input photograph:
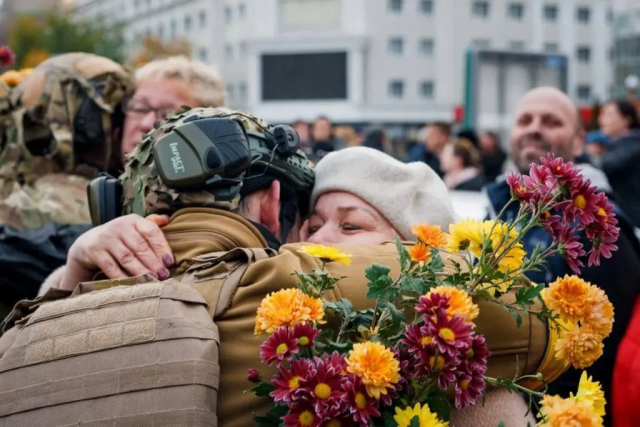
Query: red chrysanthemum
(581, 205)
(449, 334)
(281, 345)
(292, 384)
(431, 303)
(475, 358)
(565, 173)
(305, 333)
(253, 375)
(539, 179)
(518, 188)
(415, 340)
(327, 386)
(302, 416)
(362, 407)
(568, 245)
(7, 56)
(468, 389)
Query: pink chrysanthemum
(569, 246)
(362, 407)
(302, 416)
(475, 358)
(449, 334)
(468, 389)
(305, 333)
(582, 205)
(281, 345)
(292, 384)
(431, 303)
(327, 386)
(518, 188)
(564, 173)
(7, 57)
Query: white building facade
(396, 61)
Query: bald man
(548, 122)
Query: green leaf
(414, 284)
(436, 263)
(514, 314)
(272, 418)
(381, 285)
(377, 271)
(405, 260)
(415, 421)
(263, 389)
(397, 317)
(527, 295)
(439, 404)
(388, 421)
(501, 424)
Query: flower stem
(511, 384)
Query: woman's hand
(130, 244)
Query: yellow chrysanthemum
(570, 297)
(430, 235)
(466, 234)
(375, 365)
(590, 392)
(11, 78)
(287, 307)
(558, 412)
(600, 317)
(460, 303)
(427, 418)
(420, 253)
(579, 346)
(471, 234)
(326, 253)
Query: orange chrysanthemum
(460, 303)
(287, 307)
(558, 412)
(569, 296)
(420, 253)
(375, 365)
(430, 235)
(600, 317)
(579, 346)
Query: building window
(584, 54)
(426, 89)
(516, 45)
(396, 45)
(426, 7)
(584, 15)
(396, 89)
(187, 23)
(480, 9)
(425, 47)
(481, 43)
(228, 14)
(395, 5)
(551, 47)
(228, 51)
(174, 28)
(242, 91)
(241, 11)
(551, 12)
(584, 93)
(202, 54)
(203, 18)
(516, 11)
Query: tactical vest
(116, 354)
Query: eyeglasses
(142, 109)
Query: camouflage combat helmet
(63, 114)
(145, 193)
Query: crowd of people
(77, 117)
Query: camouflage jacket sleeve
(52, 198)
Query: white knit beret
(405, 194)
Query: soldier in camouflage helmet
(59, 134)
(145, 193)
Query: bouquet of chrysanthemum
(403, 361)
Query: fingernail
(154, 275)
(168, 260)
(163, 273)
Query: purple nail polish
(168, 260)
(163, 273)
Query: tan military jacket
(194, 232)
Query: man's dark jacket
(621, 164)
(618, 276)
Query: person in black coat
(493, 156)
(621, 157)
(460, 162)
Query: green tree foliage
(59, 32)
